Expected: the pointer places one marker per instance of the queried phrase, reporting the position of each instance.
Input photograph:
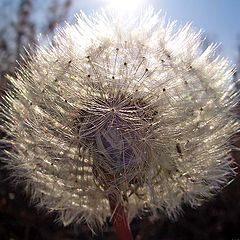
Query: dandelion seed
(145, 118)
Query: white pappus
(133, 108)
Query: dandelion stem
(119, 220)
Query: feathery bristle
(135, 109)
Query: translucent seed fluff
(133, 108)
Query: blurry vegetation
(237, 74)
(21, 23)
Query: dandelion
(131, 111)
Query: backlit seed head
(131, 108)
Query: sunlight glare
(125, 6)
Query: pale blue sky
(220, 19)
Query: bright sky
(220, 19)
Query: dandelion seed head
(133, 108)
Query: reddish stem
(119, 220)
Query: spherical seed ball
(131, 108)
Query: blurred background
(24, 22)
